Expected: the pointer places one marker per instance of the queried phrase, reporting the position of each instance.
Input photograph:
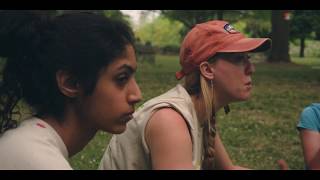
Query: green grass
(256, 133)
(311, 48)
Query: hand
(283, 164)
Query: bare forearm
(222, 159)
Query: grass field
(256, 133)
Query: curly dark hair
(35, 45)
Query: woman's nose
(135, 93)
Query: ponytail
(209, 130)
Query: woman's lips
(248, 85)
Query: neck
(74, 132)
(200, 107)
(219, 103)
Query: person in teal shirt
(309, 128)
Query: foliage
(118, 15)
(302, 23)
(161, 32)
(258, 28)
(190, 17)
(258, 23)
(255, 28)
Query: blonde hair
(196, 84)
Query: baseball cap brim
(248, 45)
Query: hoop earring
(226, 108)
(212, 128)
(213, 97)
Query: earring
(212, 130)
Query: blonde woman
(176, 130)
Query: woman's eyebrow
(127, 68)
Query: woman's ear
(67, 84)
(207, 70)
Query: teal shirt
(310, 118)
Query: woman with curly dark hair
(76, 72)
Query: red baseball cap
(206, 39)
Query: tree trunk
(280, 37)
(317, 35)
(302, 46)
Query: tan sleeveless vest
(129, 149)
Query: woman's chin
(119, 130)
(244, 97)
(116, 129)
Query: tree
(316, 23)
(162, 32)
(258, 23)
(191, 17)
(301, 27)
(220, 14)
(280, 37)
(117, 14)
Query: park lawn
(256, 133)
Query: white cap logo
(230, 29)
